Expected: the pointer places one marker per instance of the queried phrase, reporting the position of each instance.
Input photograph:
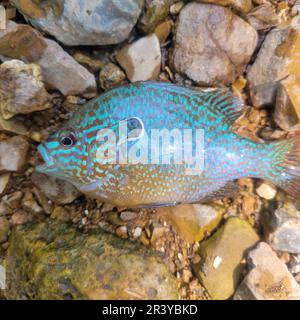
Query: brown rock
(4, 182)
(13, 200)
(268, 279)
(21, 89)
(111, 76)
(21, 217)
(154, 12)
(29, 203)
(59, 191)
(13, 154)
(122, 232)
(287, 108)
(276, 60)
(89, 62)
(263, 17)
(212, 45)
(12, 125)
(243, 6)
(61, 214)
(157, 231)
(163, 30)
(4, 229)
(193, 221)
(58, 67)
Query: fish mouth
(49, 161)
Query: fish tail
(285, 164)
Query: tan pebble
(196, 259)
(157, 231)
(13, 200)
(122, 232)
(176, 7)
(128, 215)
(266, 191)
(29, 203)
(4, 182)
(84, 221)
(60, 214)
(144, 240)
(163, 30)
(107, 207)
(21, 217)
(137, 232)
(36, 136)
(186, 275)
(285, 257)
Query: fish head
(64, 155)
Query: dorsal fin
(225, 102)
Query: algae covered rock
(54, 261)
(220, 268)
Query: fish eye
(68, 140)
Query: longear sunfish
(89, 150)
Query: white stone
(266, 191)
(142, 59)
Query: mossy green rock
(54, 261)
(220, 268)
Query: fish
(197, 156)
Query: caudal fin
(285, 166)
